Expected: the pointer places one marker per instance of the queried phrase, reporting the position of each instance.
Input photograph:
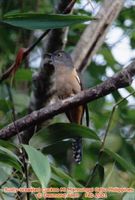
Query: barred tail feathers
(77, 149)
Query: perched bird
(67, 83)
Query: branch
(57, 38)
(24, 52)
(43, 79)
(119, 80)
(21, 55)
(94, 35)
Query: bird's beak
(48, 56)
(52, 59)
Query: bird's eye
(59, 54)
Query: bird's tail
(77, 149)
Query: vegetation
(109, 142)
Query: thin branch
(43, 79)
(8, 178)
(26, 51)
(21, 150)
(111, 117)
(121, 79)
(104, 138)
(57, 38)
(69, 7)
(88, 3)
(15, 65)
(92, 174)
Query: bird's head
(61, 58)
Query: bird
(68, 83)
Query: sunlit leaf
(10, 160)
(42, 21)
(126, 165)
(96, 176)
(8, 152)
(5, 105)
(65, 130)
(129, 196)
(65, 176)
(7, 144)
(40, 164)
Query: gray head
(61, 58)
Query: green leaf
(23, 75)
(110, 174)
(71, 185)
(58, 180)
(126, 165)
(40, 165)
(8, 152)
(106, 52)
(42, 21)
(129, 196)
(100, 169)
(5, 172)
(65, 176)
(8, 157)
(5, 105)
(21, 101)
(97, 176)
(10, 160)
(55, 148)
(65, 130)
(8, 144)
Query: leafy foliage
(42, 21)
(54, 167)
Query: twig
(8, 178)
(69, 7)
(92, 174)
(35, 43)
(15, 65)
(43, 79)
(91, 4)
(88, 3)
(22, 152)
(120, 80)
(104, 138)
